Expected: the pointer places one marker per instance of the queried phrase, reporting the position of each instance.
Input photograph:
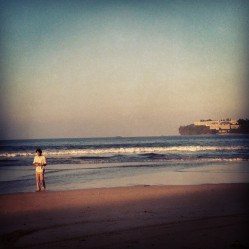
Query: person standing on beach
(40, 163)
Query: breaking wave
(123, 150)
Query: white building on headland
(223, 125)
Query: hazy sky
(120, 68)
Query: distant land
(209, 126)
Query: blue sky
(120, 68)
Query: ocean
(78, 163)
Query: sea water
(77, 163)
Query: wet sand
(200, 216)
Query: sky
(120, 68)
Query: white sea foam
(122, 150)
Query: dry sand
(202, 216)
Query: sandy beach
(200, 216)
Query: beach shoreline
(90, 176)
(193, 216)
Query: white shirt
(42, 161)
